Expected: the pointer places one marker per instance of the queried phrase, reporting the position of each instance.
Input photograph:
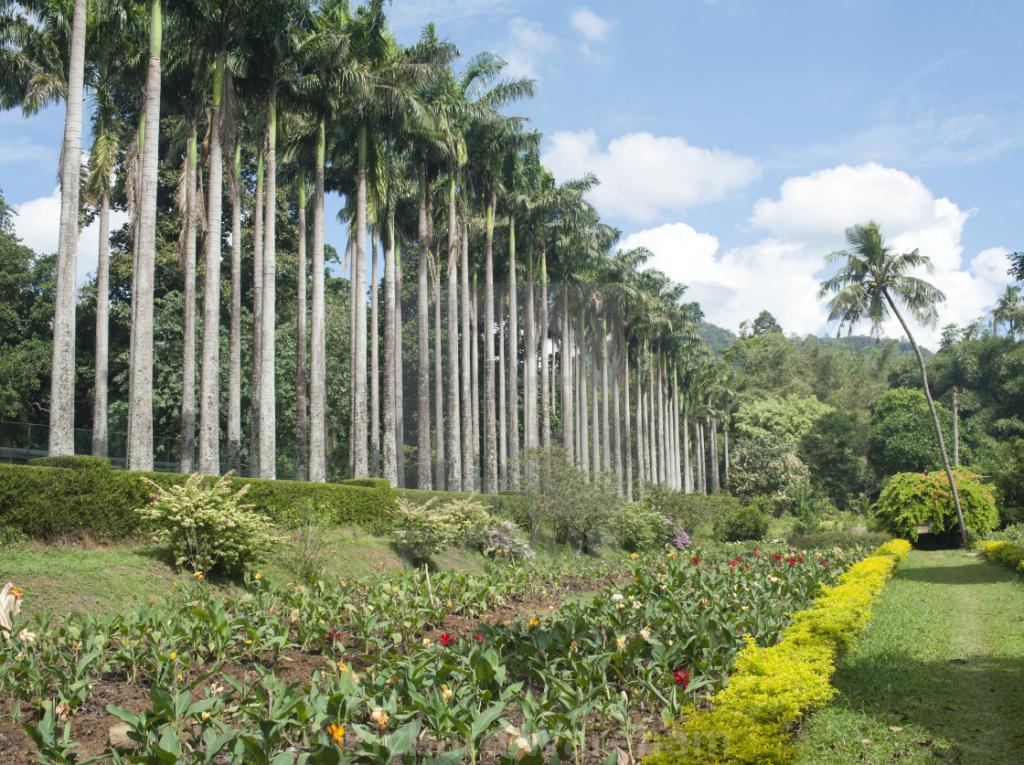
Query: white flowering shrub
(423, 530)
(206, 526)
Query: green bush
(910, 500)
(694, 512)
(640, 528)
(54, 503)
(823, 540)
(72, 461)
(205, 525)
(1013, 532)
(422, 531)
(743, 523)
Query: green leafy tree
(833, 450)
(901, 433)
(870, 280)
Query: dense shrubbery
(824, 540)
(206, 526)
(423, 530)
(640, 528)
(766, 465)
(910, 500)
(93, 500)
(694, 512)
(1007, 553)
(742, 523)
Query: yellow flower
(181, 678)
(380, 717)
(394, 589)
(620, 641)
(257, 576)
(16, 592)
(173, 655)
(633, 556)
(342, 666)
(671, 553)
(534, 621)
(197, 575)
(204, 716)
(448, 604)
(337, 732)
(446, 692)
(426, 642)
(247, 641)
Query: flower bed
(772, 688)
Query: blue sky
(737, 138)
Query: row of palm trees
(567, 342)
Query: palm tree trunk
(606, 435)
(375, 453)
(502, 403)
(353, 301)
(209, 382)
(531, 423)
(513, 358)
(474, 381)
(188, 352)
(628, 442)
(439, 421)
(360, 459)
(595, 412)
(99, 408)
(716, 485)
(582, 400)
(424, 478)
(490, 482)
(964, 540)
(641, 448)
(687, 472)
(702, 458)
(318, 321)
(654, 466)
(454, 421)
(617, 419)
(301, 427)
(62, 377)
(140, 403)
(399, 373)
(268, 339)
(725, 446)
(468, 440)
(234, 445)
(546, 358)
(257, 315)
(390, 457)
(565, 359)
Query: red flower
(733, 562)
(332, 636)
(479, 637)
(757, 551)
(776, 557)
(682, 677)
(791, 560)
(800, 559)
(695, 560)
(445, 639)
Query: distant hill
(719, 338)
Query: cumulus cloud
(593, 27)
(644, 176)
(527, 46)
(782, 271)
(37, 222)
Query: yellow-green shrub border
(771, 689)
(1006, 553)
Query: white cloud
(528, 43)
(782, 272)
(645, 177)
(595, 28)
(37, 224)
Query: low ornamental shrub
(423, 530)
(93, 500)
(772, 688)
(642, 529)
(206, 526)
(846, 540)
(742, 523)
(1007, 553)
(910, 500)
(694, 512)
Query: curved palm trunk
(62, 376)
(360, 460)
(490, 482)
(424, 478)
(454, 421)
(99, 410)
(513, 358)
(140, 403)
(565, 360)
(234, 445)
(390, 458)
(502, 403)
(375, 453)
(188, 353)
(257, 315)
(399, 374)
(935, 422)
(468, 439)
(209, 382)
(318, 319)
(268, 340)
(301, 463)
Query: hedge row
(91, 499)
(772, 688)
(1007, 553)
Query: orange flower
(198, 576)
(16, 592)
(380, 717)
(337, 732)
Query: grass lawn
(938, 675)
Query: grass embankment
(938, 675)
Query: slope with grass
(937, 677)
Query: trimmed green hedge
(91, 499)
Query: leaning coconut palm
(870, 280)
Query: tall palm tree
(870, 280)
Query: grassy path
(938, 675)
